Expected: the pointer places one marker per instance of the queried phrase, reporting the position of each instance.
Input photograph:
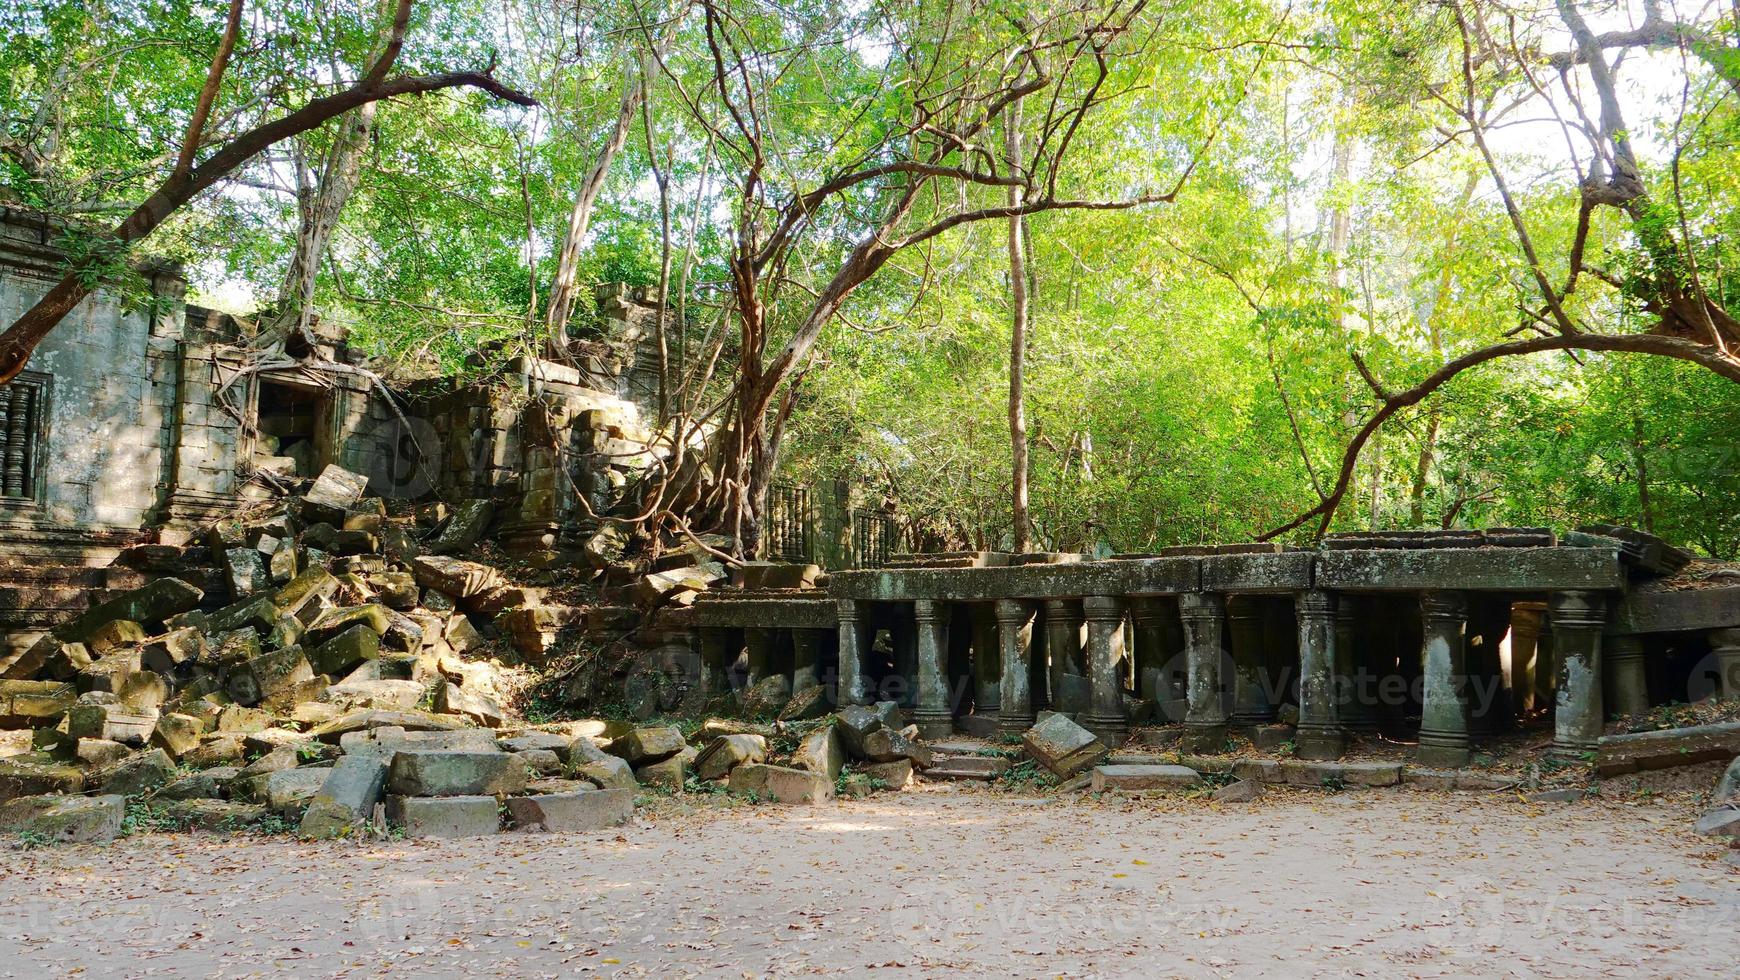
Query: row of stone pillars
(1214, 702)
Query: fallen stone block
(217, 816)
(447, 772)
(305, 593)
(454, 700)
(151, 603)
(177, 734)
(335, 491)
(1673, 747)
(726, 753)
(347, 649)
(451, 816)
(411, 721)
(27, 776)
(347, 798)
(667, 774)
(888, 745)
(854, 722)
(102, 715)
(897, 775)
(174, 648)
(464, 528)
(1721, 821)
(644, 745)
(811, 702)
(65, 819)
(135, 776)
(207, 784)
(608, 773)
(540, 762)
(1131, 779)
(766, 697)
(781, 784)
(267, 676)
(456, 577)
(759, 575)
(559, 744)
(100, 752)
(283, 791)
(572, 813)
(1243, 791)
(1062, 747)
(1296, 772)
(821, 752)
(35, 703)
(245, 571)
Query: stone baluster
(1444, 708)
(1105, 641)
(759, 642)
(1578, 618)
(1206, 720)
(902, 687)
(1356, 680)
(1148, 622)
(1063, 628)
(1319, 735)
(1016, 715)
(1725, 649)
(1252, 704)
(806, 658)
(1627, 687)
(855, 637)
(987, 665)
(933, 715)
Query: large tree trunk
(1018, 491)
(318, 207)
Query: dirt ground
(942, 881)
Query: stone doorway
(290, 425)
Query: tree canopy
(1289, 267)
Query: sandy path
(928, 883)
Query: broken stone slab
(1728, 787)
(343, 651)
(451, 772)
(667, 774)
(151, 603)
(33, 660)
(607, 773)
(645, 745)
(36, 703)
(219, 816)
(821, 752)
(1142, 778)
(268, 675)
(559, 744)
(726, 753)
(759, 575)
(481, 708)
(767, 696)
(456, 577)
(1242, 791)
(1721, 821)
(332, 622)
(257, 615)
(464, 528)
(102, 715)
(384, 741)
(100, 752)
(410, 721)
(1651, 555)
(807, 704)
(177, 734)
(887, 745)
(1062, 747)
(540, 762)
(346, 799)
(855, 722)
(781, 784)
(1297, 772)
(114, 635)
(35, 776)
(215, 750)
(205, 785)
(1666, 749)
(1556, 796)
(449, 816)
(572, 813)
(274, 760)
(283, 791)
(245, 571)
(334, 493)
(65, 819)
(165, 653)
(306, 592)
(897, 775)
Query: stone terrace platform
(1436, 637)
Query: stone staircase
(957, 760)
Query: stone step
(973, 768)
(1141, 778)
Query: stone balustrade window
(23, 419)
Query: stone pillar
(902, 687)
(1546, 664)
(806, 658)
(715, 652)
(855, 638)
(1627, 689)
(1205, 722)
(759, 642)
(1577, 621)
(933, 717)
(1105, 640)
(1063, 629)
(987, 668)
(1148, 620)
(1525, 638)
(1038, 661)
(1319, 735)
(1016, 715)
(1443, 710)
(1725, 650)
(1252, 704)
(1355, 680)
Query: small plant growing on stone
(1286, 749)
(1334, 784)
(30, 840)
(308, 752)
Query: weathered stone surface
(811, 702)
(30, 776)
(897, 775)
(100, 752)
(344, 651)
(887, 745)
(728, 752)
(644, 745)
(177, 734)
(217, 749)
(214, 815)
(1521, 569)
(572, 813)
(667, 774)
(174, 648)
(1243, 791)
(1295, 772)
(35, 703)
(363, 720)
(451, 816)
(781, 784)
(65, 819)
(767, 697)
(447, 772)
(245, 571)
(758, 575)
(205, 785)
(855, 722)
(1721, 821)
(559, 744)
(284, 791)
(267, 676)
(155, 602)
(478, 707)
(333, 494)
(114, 635)
(821, 752)
(347, 798)
(1063, 747)
(1640, 751)
(306, 593)
(540, 762)
(1728, 787)
(464, 528)
(607, 773)
(332, 622)
(456, 577)
(135, 776)
(1140, 778)
(276, 759)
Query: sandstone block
(821, 752)
(727, 752)
(644, 745)
(451, 816)
(572, 813)
(1142, 778)
(781, 784)
(447, 772)
(347, 798)
(65, 819)
(1063, 747)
